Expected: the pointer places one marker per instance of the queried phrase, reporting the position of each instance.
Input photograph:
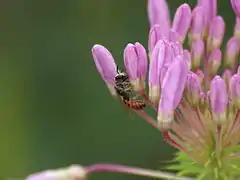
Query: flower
(197, 106)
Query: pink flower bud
(218, 99)
(172, 91)
(162, 57)
(200, 74)
(158, 13)
(214, 61)
(210, 9)
(193, 88)
(237, 28)
(197, 53)
(197, 24)
(234, 86)
(216, 33)
(227, 74)
(154, 36)
(135, 60)
(182, 20)
(232, 51)
(105, 65)
(236, 7)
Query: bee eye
(118, 77)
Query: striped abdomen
(135, 104)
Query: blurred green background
(55, 109)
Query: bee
(125, 91)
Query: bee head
(121, 76)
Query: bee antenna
(118, 70)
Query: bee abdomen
(135, 104)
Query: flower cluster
(195, 90)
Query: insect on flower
(125, 91)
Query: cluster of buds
(197, 105)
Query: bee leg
(129, 111)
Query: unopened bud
(158, 13)
(200, 74)
(172, 90)
(193, 88)
(214, 61)
(154, 36)
(197, 24)
(105, 65)
(181, 21)
(162, 57)
(231, 53)
(237, 28)
(216, 34)
(227, 74)
(234, 86)
(135, 60)
(218, 99)
(197, 53)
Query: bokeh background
(54, 108)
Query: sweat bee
(125, 91)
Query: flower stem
(134, 170)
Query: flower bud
(236, 7)
(237, 28)
(181, 21)
(197, 53)
(105, 65)
(158, 13)
(231, 53)
(154, 76)
(216, 33)
(193, 88)
(218, 99)
(135, 60)
(234, 87)
(227, 74)
(172, 90)
(162, 57)
(214, 61)
(210, 12)
(197, 24)
(154, 36)
(200, 74)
